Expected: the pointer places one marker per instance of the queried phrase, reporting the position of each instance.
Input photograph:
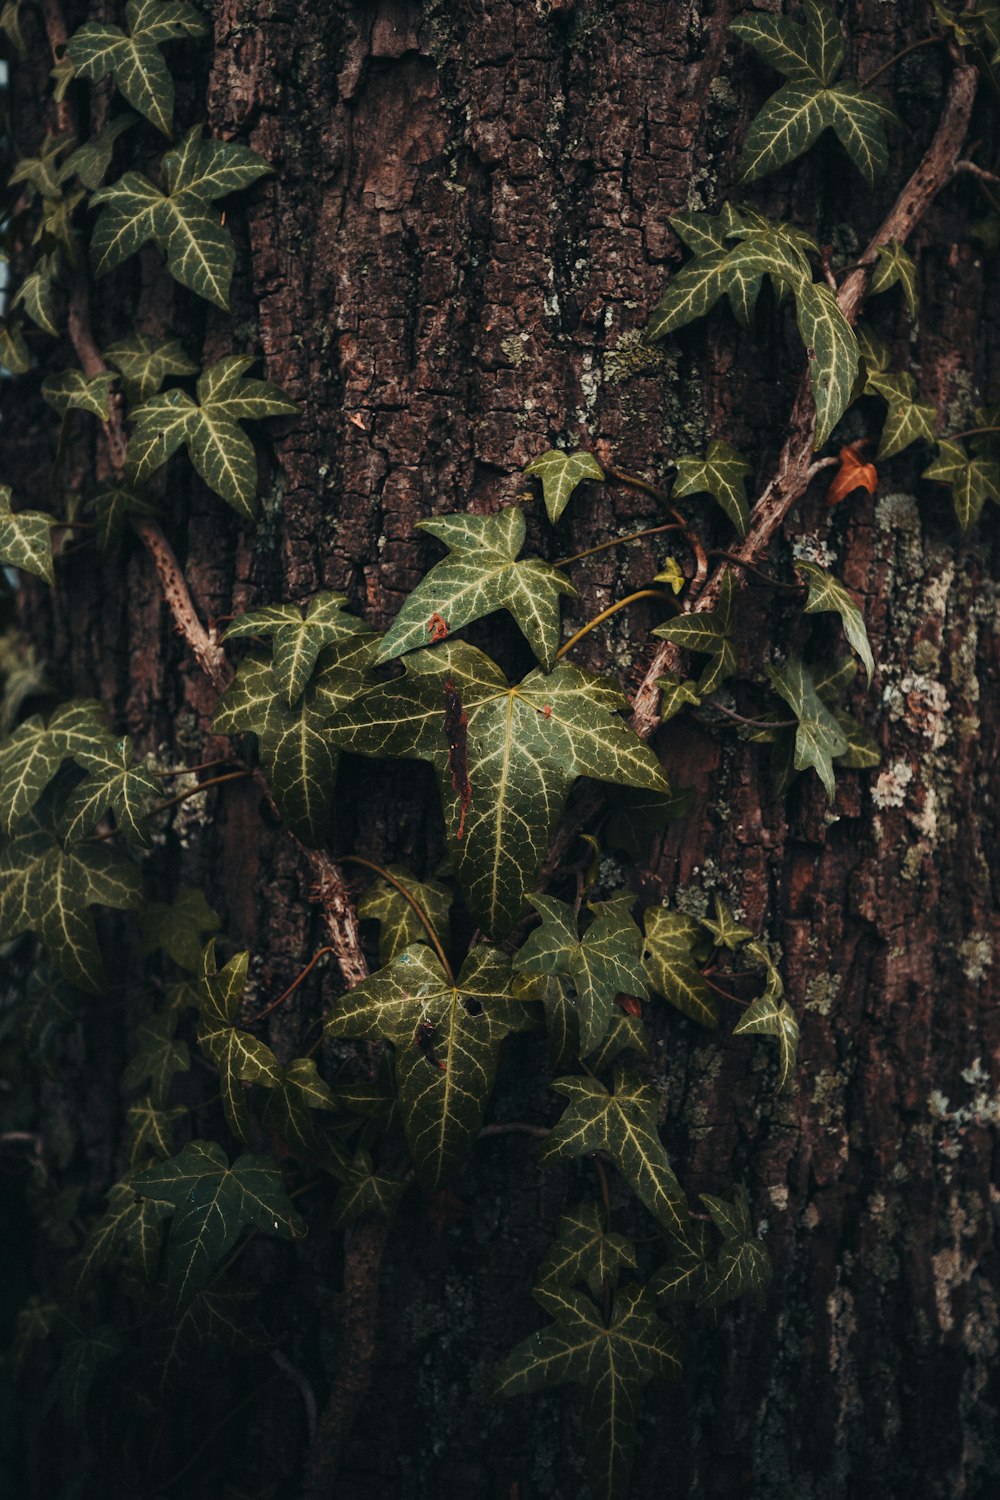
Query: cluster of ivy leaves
(314, 681)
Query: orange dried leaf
(852, 474)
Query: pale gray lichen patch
(631, 356)
(891, 786)
(821, 992)
(976, 955)
(513, 347)
(897, 512)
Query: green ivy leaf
(743, 1264)
(198, 248)
(145, 364)
(771, 1015)
(10, 25)
(560, 474)
(707, 632)
(613, 1362)
(213, 1203)
(239, 1056)
(296, 746)
(211, 1320)
(862, 753)
(833, 355)
(48, 891)
(134, 59)
(584, 1251)
(364, 1192)
(291, 1102)
(36, 295)
(158, 1055)
(481, 575)
(217, 445)
(150, 1129)
(524, 747)
(625, 1034)
(721, 474)
(129, 1223)
(446, 1039)
(828, 595)
(684, 1274)
(116, 784)
(907, 421)
(673, 947)
(89, 163)
(298, 638)
(896, 267)
(723, 929)
(72, 390)
(972, 481)
(31, 756)
(399, 925)
(15, 357)
(624, 1125)
(26, 539)
(637, 815)
(110, 508)
(810, 57)
(603, 963)
(690, 294)
(179, 928)
(78, 1368)
(818, 737)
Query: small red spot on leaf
(629, 1004)
(547, 710)
(437, 627)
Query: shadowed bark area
(449, 270)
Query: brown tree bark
(450, 271)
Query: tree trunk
(450, 269)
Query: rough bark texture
(450, 269)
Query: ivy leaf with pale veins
(78, 1368)
(239, 1056)
(743, 1263)
(603, 963)
(862, 753)
(624, 1125)
(49, 891)
(150, 1129)
(481, 575)
(365, 1191)
(129, 1223)
(446, 1037)
(560, 474)
(583, 1250)
(895, 267)
(707, 632)
(819, 739)
(134, 58)
(212, 1204)
(125, 788)
(683, 1275)
(810, 57)
(15, 356)
(297, 750)
(612, 1361)
(91, 161)
(722, 473)
(289, 1106)
(158, 1055)
(972, 481)
(771, 1015)
(213, 1319)
(110, 508)
(298, 638)
(210, 428)
(674, 943)
(26, 539)
(145, 364)
(907, 421)
(72, 390)
(31, 756)
(505, 781)
(179, 927)
(724, 929)
(833, 354)
(828, 595)
(399, 925)
(181, 221)
(36, 295)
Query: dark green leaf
(110, 507)
(624, 1125)
(833, 355)
(365, 1191)
(26, 539)
(560, 474)
(602, 964)
(79, 1366)
(158, 1054)
(672, 947)
(818, 738)
(611, 1361)
(446, 1039)
(743, 1264)
(298, 637)
(972, 481)
(134, 59)
(481, 575)
(895, 266)
(36, 295)
(828, 595)
(179, 928)
(721, 474)
(584, 1251)
(524, 747)
(15, 357)
(684, 1273)
(724, 929)
(240, 1057)
(145, 364)
(213, 1202)
(72, 390)
(771, 1015)
(399, 925)
(90, 162)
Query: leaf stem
(774, 583)
(730, 713)
(693, 540)
(953, 437)
(369, 864)
(606, 614)
(724, 993)
(617, 541)
(926, 41)
(291, 988)
(201, 787)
